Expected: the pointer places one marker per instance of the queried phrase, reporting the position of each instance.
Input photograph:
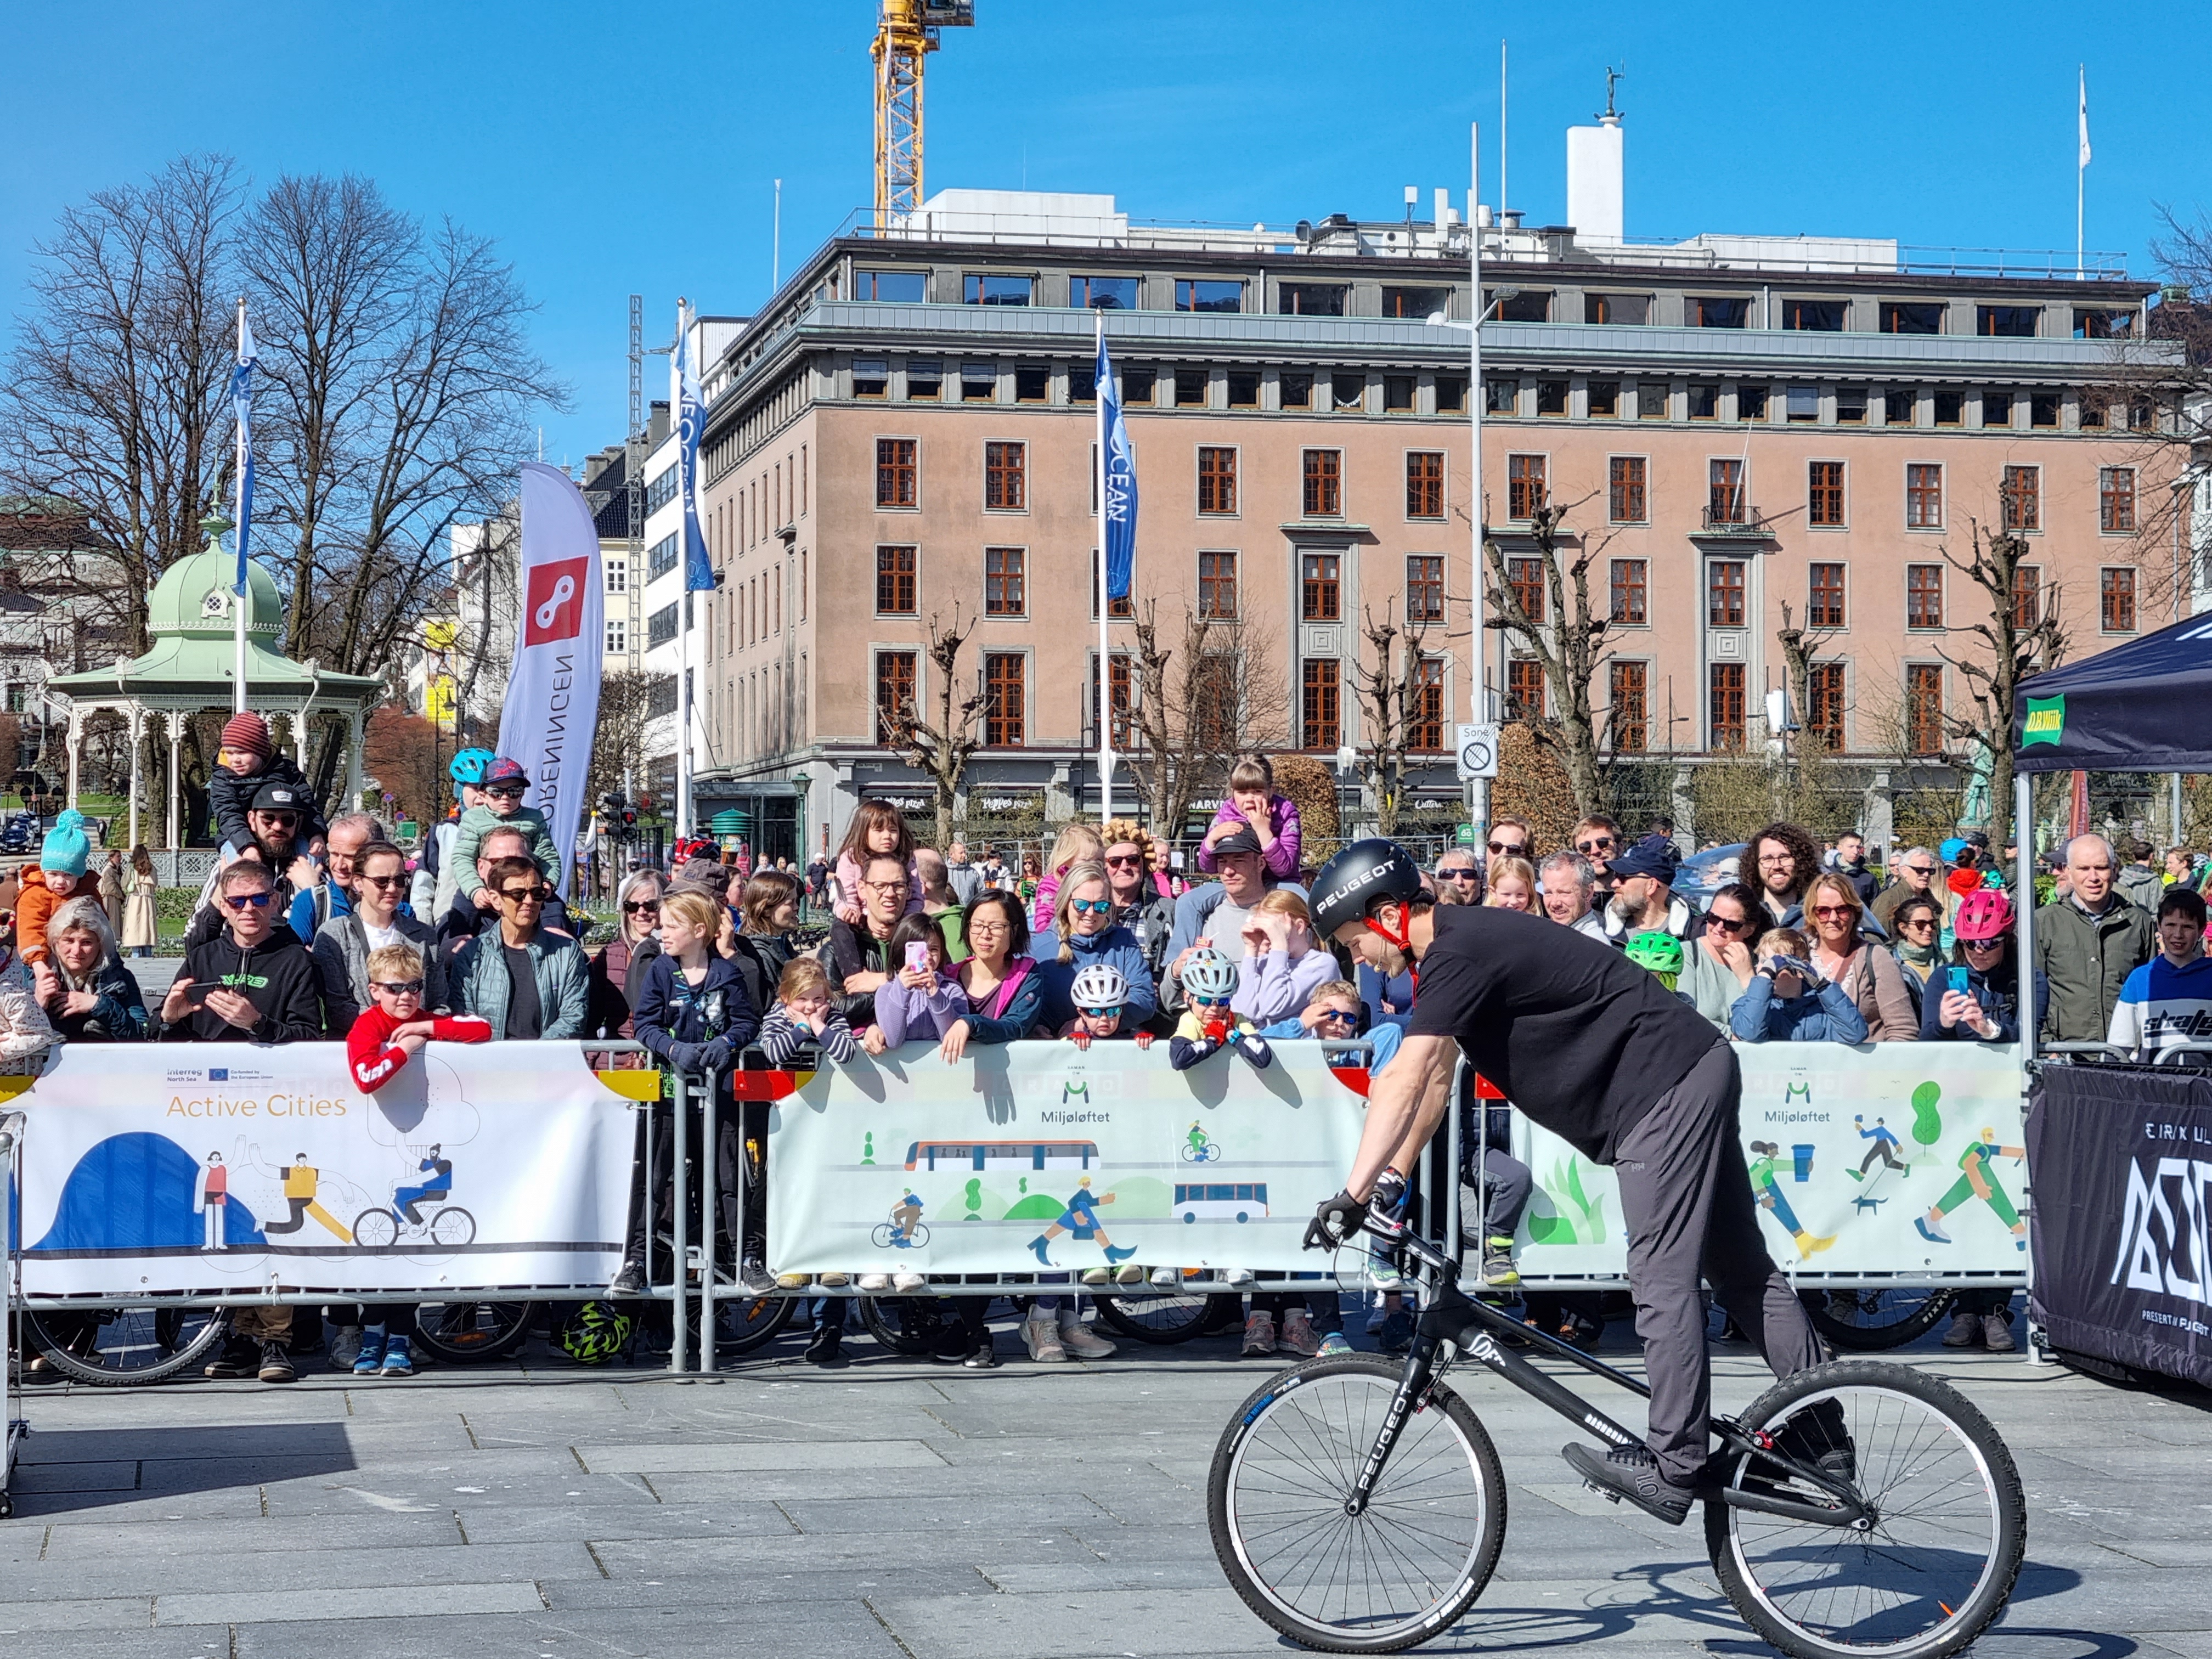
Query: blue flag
(241, 407)
(690, 421)
(1121, 500)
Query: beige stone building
(1738, 425)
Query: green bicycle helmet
(597, 1334)
(1661, 952)
(1208, 973)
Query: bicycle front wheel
(1936, 1563)
(1408, 1566)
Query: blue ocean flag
(241, 406)
(1121, 493)
(690, 421)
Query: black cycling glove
(1336, 1220)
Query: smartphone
(1958, 981)
(196, 996)
(917, 956)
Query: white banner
(1037, 1155)
(211, 1167)
(552, 707)
(1860, 1161)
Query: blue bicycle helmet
(470, 766)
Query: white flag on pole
(552, 709)
(2084, 160)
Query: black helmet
(1350, 883)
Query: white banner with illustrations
(1896, 1160)
(1034, 1157)
(210, 1167)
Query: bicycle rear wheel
(468, 1332)
(1937, 1563)
(1406, 1566)
(122, 1347)
(909, 1325)
(1876, 1317)
(1176, 1316)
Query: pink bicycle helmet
(1984, 914)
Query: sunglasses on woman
(637, 907)
(1833, 912)
(1090, 906)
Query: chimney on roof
(1593, 175)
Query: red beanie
(249, 735)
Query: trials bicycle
(1856, 1509)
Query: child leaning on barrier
(382, 1039)
(1101, 994)
(804, 1017)
(923, 999)
(1788, 1001)
(1209, 982)
(1331, 1015)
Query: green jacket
(2086, 959)
(478, 983)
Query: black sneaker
(1817, 1436)
(755, 1278)
(1632, 1472)
(238, 1358)
(982, 1357)
(276, 1363)
(629, 1280)
(827, 1348)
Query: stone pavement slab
(902, 1510)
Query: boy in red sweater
(386, 1035)
(388, 1032)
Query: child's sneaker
(1042, 1341)
(1128, 1274)
(1334, 1343)
(906, 1282)
(368, 1355)
(345, 1346)
(1498, 1268)
(399, 1358)
(1259, 1336)
(1297, 1336)
(1096, 1276)
(794, 1281)
(1081, 1340)
(833, 1281)
(1382, 1268)
(1167, 1279)
(873, 1283)
(1239, 1276)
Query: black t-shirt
(526, 1018)
(1580, 1038)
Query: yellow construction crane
(906, 32)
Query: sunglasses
(1833, 912)
(1916, 922)
(1101, 1013)
(1457, 872)
(1124, 861)
(283, 820)
(524, 895)
(1336, 1016)
(1743, 927)
(1090, 906)
(633, 907)
(507, 791)
(248, 901)
(1209, 1002)
(398, 987)
(1602, 844)
(1515, 847)
(399, 880)
(1983, 943)
(1918, 869)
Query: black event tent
(2142, 707)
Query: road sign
(1478, 752)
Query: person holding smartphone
(922, 1000)
(1975, 998)
(254, 982)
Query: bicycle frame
(1473, 1329)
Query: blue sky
(617, 148)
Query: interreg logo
(2163, 1245)
(2046, 722)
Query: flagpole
(1099, 395)
(2081, 161)
(684, 620)
(243, 602)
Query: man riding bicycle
(1599, 1052)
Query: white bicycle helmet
(1208, 973)
(1099, 986)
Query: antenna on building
(1612, 75)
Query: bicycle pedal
(1606, 1492)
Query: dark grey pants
(1686, 1196)
(1495, 1206)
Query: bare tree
(1205, 688)
(942, 748)
(1390, 686)
(1800, 648)
(2018, 647)
(625, 714)
(114, 398)
(1565, 632)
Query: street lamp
(799, 782)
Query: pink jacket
(848, 889)
(1282, 858)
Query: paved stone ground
(903, 1510)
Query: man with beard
(273, 822)
(1643, 899)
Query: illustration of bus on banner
(1001, 1156)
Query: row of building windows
(1344, 391)
(1993, 409)
(1627, 728)
(1817, 313)
(1728, 505)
